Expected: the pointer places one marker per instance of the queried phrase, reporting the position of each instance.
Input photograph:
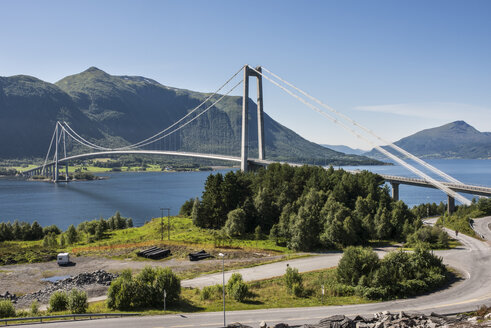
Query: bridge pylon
(244, 166)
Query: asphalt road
(473, 260)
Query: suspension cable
(49, 149)
(138, 144)
(367, 130)
(194, 118)
(436, 183)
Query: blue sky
(395, 66)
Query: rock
(338, 317)
(281, 325)
(237, 325)
(263, 324)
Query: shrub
(297, 289)
(236, 288)
(7, 309)
(239, 291)
(211, 292)
(34, 307)
(121, 293)
(292, 278)
(77, 301)
(356, 263)
(58, 301)
(144, 290)
(235, 224)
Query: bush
(211, 292)
(7, 309)
(77, 301)
(58, 301)
(297, 289)
(239, 291)
(236, 288)
(235, 224)
(34, 307)
(356, 263)
(144, 290)
(293, 280)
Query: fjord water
(141, 195)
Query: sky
(396, 67)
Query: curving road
(473, 260)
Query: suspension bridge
(64, 136)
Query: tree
(235, 224)
(195, 213)
(36, 231)
(236, 287)
(293, 281)
(305, 226)
(77, 301)
(267, 213)
(58, 301)
(187, 208)
(71, 235)
(258, 233)
(355, 263)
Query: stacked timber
(201, 255)
(154, 253)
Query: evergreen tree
(71, 235)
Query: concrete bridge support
(450, 204)
(245, 117)
(395, 191)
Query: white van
(63, 259)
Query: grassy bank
(119, 244)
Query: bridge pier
(245, 117)
(450, 204)
(244, 150)
(395, 191)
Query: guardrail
(66, 316)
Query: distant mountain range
(454, 140)
(345, 149)
(120, 110)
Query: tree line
(304, 208)
(52, 235)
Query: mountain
(454, 140)
(345, 149)
(120, 110)
(29, 109)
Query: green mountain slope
(29, 109)
(119, 110)
(454, 140)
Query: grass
(456, 223)
(124, 244)
(182, 233)
(97, 169)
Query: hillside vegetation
(453, 140)
(119, 110)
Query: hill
(345, 149)
(453, 140)
(119, 110)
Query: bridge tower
(244, 166)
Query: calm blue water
(469, 171)
(141, 195)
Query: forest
(304, 208)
